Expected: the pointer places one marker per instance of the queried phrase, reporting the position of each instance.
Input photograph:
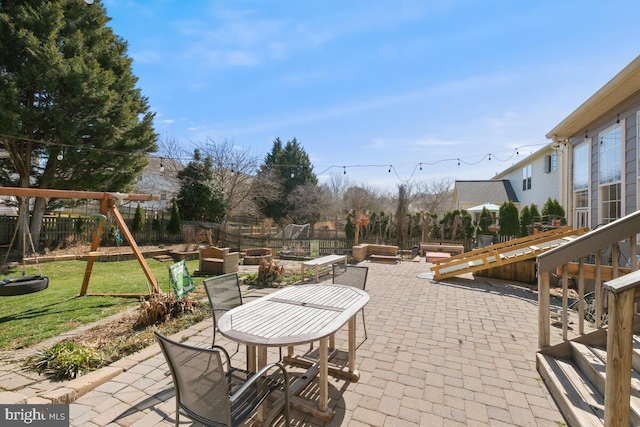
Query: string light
(460, 161)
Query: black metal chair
(224, 294)
(354, 276)
(207, 393)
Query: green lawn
(28, 319)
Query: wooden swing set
(108, 203)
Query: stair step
(579, 400)
(592, 362)
(163, 258)
(635, 356)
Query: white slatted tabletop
(294, 315)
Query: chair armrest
(255, 377)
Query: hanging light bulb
(60, 156)
(389, 168)
(292, 175)
(161, 164)
(517, 152)
(420, 166)
(458, 162)
(344, 170)
(489, 156)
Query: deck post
(619, 349)
(544, 323)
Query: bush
(509, 221)
(65, 360)
(161, 307)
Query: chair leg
(364, 324)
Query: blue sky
(375, 84)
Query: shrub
(139, 220)
(161, 307)
(65, 360)
(509, 222)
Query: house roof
(547, 149)
(485, 191)
(619, 88)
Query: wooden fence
(60, 230)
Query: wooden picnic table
(322, 261)
(293, 316)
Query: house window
(581, 185)
(551, 163)
(526, 178)
(610, 173)
(611, 202)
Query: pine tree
(139, 220)
(290, 166)
(173, 226)
(71, 116)
(199, 198)
(509, 220)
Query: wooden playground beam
(73, 194)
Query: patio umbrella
(488, 206)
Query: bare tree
(401, 214)
(235, 172)
(332, 193)
(433, 196)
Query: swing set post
(95, 242)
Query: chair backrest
(350, 275)
(199, 381)
(223, 292)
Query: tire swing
(24, 284)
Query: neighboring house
(8, 205)
(535, 178)
(468, 194)
(601, 139)
(159, 179)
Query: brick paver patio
(455, 353)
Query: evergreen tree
(71, 116)
(525, 220)
(535, 214)
(199, 199)
(554, 209)
(290, 167)
(139, 220)
(485, 220)
(509, 221)
(173, 226)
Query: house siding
(543, 184)
(628, 120)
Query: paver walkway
(452, 353)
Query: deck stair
(504, 253)
(574, 372)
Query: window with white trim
(581, 185)
(526, 178)
(610, 174)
